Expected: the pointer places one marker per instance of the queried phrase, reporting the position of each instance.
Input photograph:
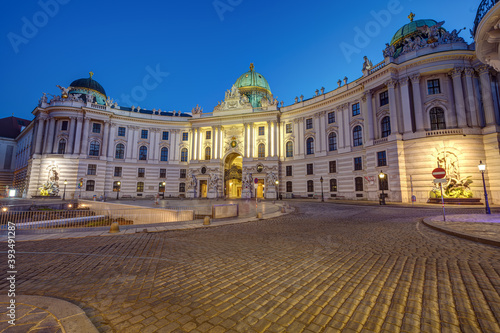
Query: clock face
(233, 144)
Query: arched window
(94, 148)
(385, 125)
(310, 146)
(90, 185)
(140, 187)
(357, 136)
(143, 153)
(332, 141)
(383, 183)
(289, 187)
(184, 155)
(164, 154)
(310, 186)
(261, 151)
(437, 119)
(333, 185)
(120, 151)
(358, 183)
(208, 153)
(61, 149)
(289, 149)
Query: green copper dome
(409, 29)
(255, 86)
(88, 83)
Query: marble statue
(64, 91)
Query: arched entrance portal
(233, 175)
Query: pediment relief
(357, 120)
(332, 128)
(436, 102)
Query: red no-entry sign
(439, 173)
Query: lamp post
(482, 168)
(277, 189)
(164, 189)
(322, 195)
(118, 190)
(381, 175)
(64, 193)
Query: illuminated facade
(430, 102)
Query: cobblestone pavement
(325, 268)
(29, 319)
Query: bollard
(206, 221)
(115, 227)
(283, 209)
(259, 215)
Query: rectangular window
(208, 135)
(118, 171)
(144, 134)
(90, 185)
(331, 117)
(140, 187)
(165, 136)
(433, 87)
(355, 109)
(163, 173)
(185, 136)
(92, 169)
(310, 169)
(381, 158)
(288, 128)
(288, 170)
(384, 98)
(182, 173)
(64, 126)
(309, 123)
(358, 164)
(289, 187)
(141, 172)
(333, 185)
(121, 131)
(261, 130)
(358, 184)
(182, 187)
(333, 166)
(96, 128)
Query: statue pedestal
(212, 194)
(246, 193)
(191, 193)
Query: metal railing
(482, 10)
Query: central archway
(233, 167)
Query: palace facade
(430, 102)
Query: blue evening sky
(174, 55)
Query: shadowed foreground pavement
(326, 268)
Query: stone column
(50, 136)
(39, 134)
(451, 120)
(111, 140)
(276, 138)
(367, 99)
(174, 149)
(393, 110)
(85, 138)
(269, 135)
(489, 110)
(456, 75)
(340, 120)
(317, 128)
(302, 143)
(346, 126)
(296, 144)
(105, 139)
(214, 142)
(221, 144)
(417, 102)
(245, 140)
(71, 135)
(470, 100)
(405, 98)
(130, 139)
(154, 144)
(134, 142)
(78, 136)
(251, 128)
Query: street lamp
(381, 175)
(118, 190)
(322, 195)
(164, 189)
(482, 168)
(64, 193)
(277, 189)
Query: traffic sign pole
(442, 201)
